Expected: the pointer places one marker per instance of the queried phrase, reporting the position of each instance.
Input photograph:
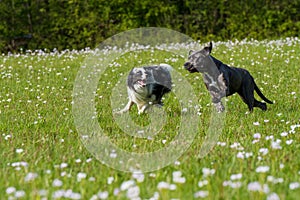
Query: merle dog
(147, 85)
(222, 80)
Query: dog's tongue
(142, 82)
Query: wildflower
(201, 194)
(254, 186)
(257, 136)
(103, 195)
(202, 183)
(283, 134)
(236, 176)
(276, 144)
(139, 176)
(10, 190)
(80, 176)
(263, 151)
(19, 150)
(294, 185)
(163, 185)
(208, 172)
(133, 192)
(273, 196)
(110, 180)
(288, 142)
(256, 123)
(63, 165)
(127, 184)
(57, 183)
(262, 169)
(30, 176)
(19, 194)
(177, 177)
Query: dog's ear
(210, 46)
(207, 50)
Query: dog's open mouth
(141, 82)
(190, 67)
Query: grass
(43, 156)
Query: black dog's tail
(261, 94)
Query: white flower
(269, 137)
(201, 194)
(257, 136)
(138, 176)
(266, 189)
(222, 144)
(254, 186)
(262, 169)
(110, 180)
(294, 185)
(273, 196)
(283, 134)
(172, 187)
(288, 142)
(19, 150)
(208, 172)
(281, 166)
(30, 176)
(177, 162)
(10, 190)
(63, 165)
(103, 195)
(276, 144)
(256, 123)
(163, 185)
(240, 155)
(19, 194)
(202, 183)
(263, 151)
(236, 176)
(232, 184)
(81, 175)
(57, 183)
(133, 192)
(116, 191)
(177, 177)
(127, 184)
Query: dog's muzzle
(142, 82)
(190, 67)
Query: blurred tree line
(76, 24)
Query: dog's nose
(186, 65)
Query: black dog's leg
(247, 95)
(260, 105)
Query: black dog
(147, 85)
(222, 80)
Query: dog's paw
(219, 107)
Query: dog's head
(198, 60)
(137, 79)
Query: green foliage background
(76, 24)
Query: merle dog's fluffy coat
(147, 85)
(222, 80)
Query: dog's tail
(261, 94)
(166, 66)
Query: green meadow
(255, 156)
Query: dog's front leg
(142, 108)
(126, 108)
(216, 99)
(219, 107)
